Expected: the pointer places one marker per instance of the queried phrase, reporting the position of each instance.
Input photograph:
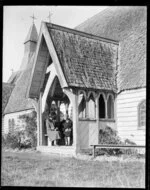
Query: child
(67, 131)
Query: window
(11, 125)
(110, 107)
(91, 106)
(142, 114)
(101, 107)
(82, 105)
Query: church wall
(83, 134)
(87, 133)
(127, 115)
(15, 116)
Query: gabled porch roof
(81, 60)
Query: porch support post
(75, 122)
(73, 96)
(115, 109)
(87, 108)
(40, 120)
(97, 116)
(105, 99)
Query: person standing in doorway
(53, 134)
(67, 131)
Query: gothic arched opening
(101, 107)
(59, 108)
(82, 105)
(91, 106)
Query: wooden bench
(113, 146)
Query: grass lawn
(37, 169)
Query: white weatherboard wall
(15, 116)
(127, 115)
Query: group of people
(59, 133)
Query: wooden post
(75, 122)
(93, 150)
(73, 96)
(87, 108)
(97, 116)
(40, 120)
(105, 100)
(38, 124)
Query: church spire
(29, 45)
(32, 34)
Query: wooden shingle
(128, 25)
(86, 61)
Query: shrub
(109, 136)
(11, 140)
(30, 133)
(25, 137)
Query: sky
(17, 21)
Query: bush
(22, 138)
(109, 136)
(29, 137)
(11, 140)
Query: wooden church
(95, 73)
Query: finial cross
(49, 16)
(33, 17)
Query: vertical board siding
(93, 139)
(84, 134)
(15, 116)
(127, 115)
(2, 125)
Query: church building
(95, 74)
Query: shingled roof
(32, 34)
(128, 25)
(18, 100)
(6, 92)
(14, 77)
(87, 61)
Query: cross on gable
(33, 17)
(49, 16)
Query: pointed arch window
(11, 125)
(110, 107)
(101, 107)
(91, 107)
(82, 105)
(142, 114)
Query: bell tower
(29, 45)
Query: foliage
(109, 136)
(30, 133)
(16, 139)
(23, 137)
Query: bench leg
(93, 151)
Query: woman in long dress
(52, 133)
